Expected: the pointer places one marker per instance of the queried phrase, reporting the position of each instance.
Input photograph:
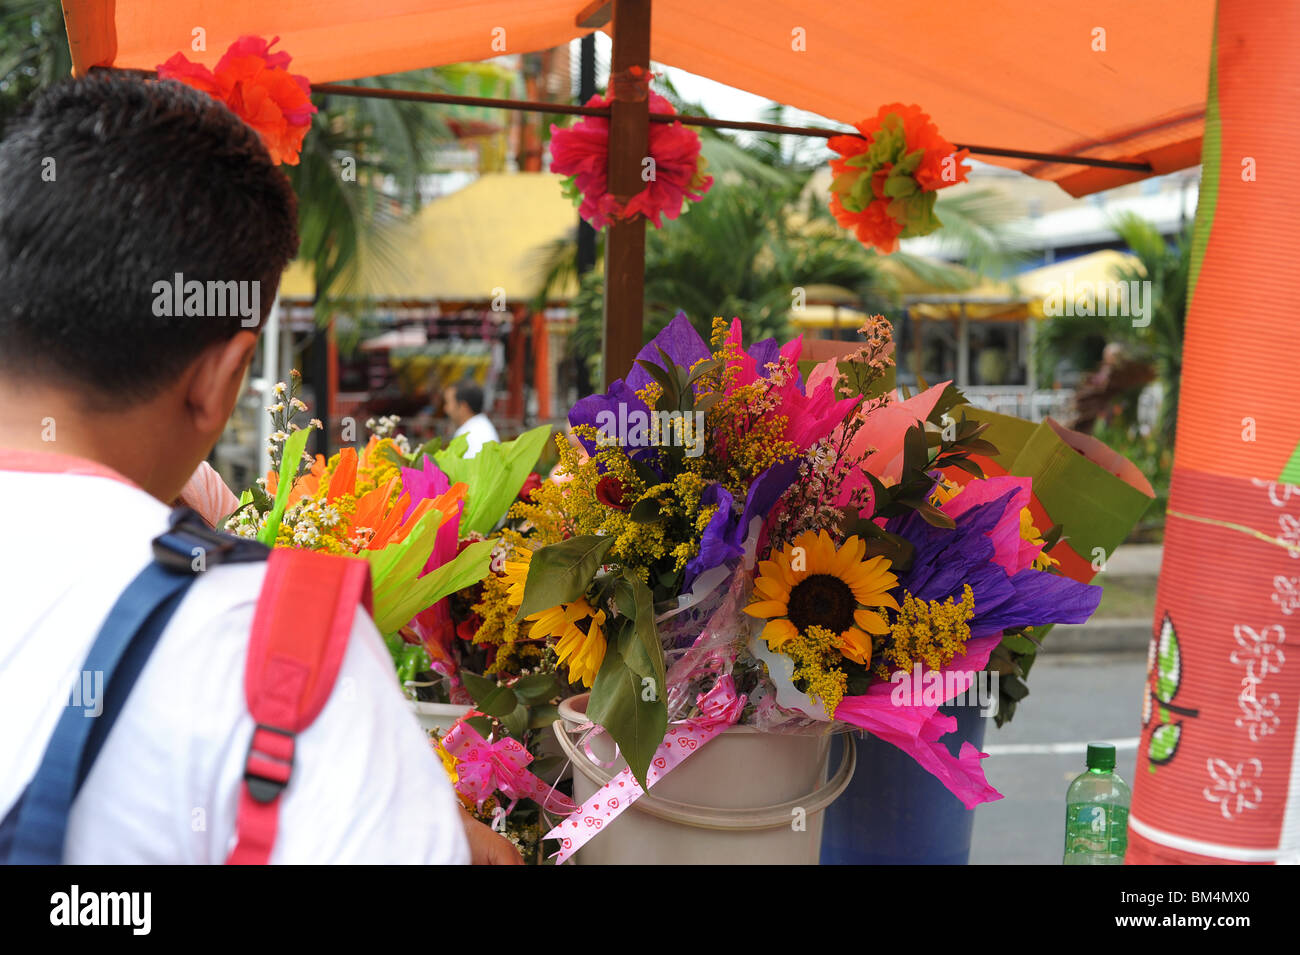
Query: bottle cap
(1101, 756)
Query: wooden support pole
(629, 138)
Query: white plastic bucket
(745, 797)
(438, 716)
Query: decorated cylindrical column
(1218, 775)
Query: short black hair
(469, 393)
(112, 184)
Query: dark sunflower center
(822, 600)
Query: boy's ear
(218, 376)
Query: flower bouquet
(404, 510)
(732, 542)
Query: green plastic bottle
(1096, 812)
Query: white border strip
(1212, 849)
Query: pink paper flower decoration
(581, 152)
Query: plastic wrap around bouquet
(733, 544)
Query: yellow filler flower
(811, 583)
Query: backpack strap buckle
(269, 763)
(189, 539)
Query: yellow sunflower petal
(778, 632)
(870, 621)
(772, 589)
(767, 608)
(547, 623)
(855, 645)
(582, 653)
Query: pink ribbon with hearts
(485, 768)
(720, 708)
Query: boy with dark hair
(143, 230)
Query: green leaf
(394, 566)
(1018, 643)
(635, 724)
(665, 380)
(881, 496)
(703, 369)
(536, 688)
(489, 696)
(1013, 687)
(429, 449)
(932, 515)
(392, 455)
(881, 543)
(408, 658)
(964, 463)
(1169, 671)
(916, 453)
(1053, 536)
(482, 725)
(541, 717)
(980, 446)
(706, 402)
(292, 454)
(561, 573)
(645, 474)
(493, 476)
(546, 768)
(643, 652)
(516, 722)
(468, 567)
(1164, 742)
(648, 510)
(261, 500)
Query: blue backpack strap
(37, 825)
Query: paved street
(1074, 699)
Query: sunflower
(581, 646)
(516, 572)
(578, 627)
(810, 583)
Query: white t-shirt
(366, 786)
(478, 431)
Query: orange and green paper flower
(886, 178)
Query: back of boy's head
(111, 185)
(470, 394)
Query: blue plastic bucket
(894, 812)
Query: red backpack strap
(300, 633)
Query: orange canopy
(1109, 79)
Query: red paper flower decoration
(885, 179)
(258, 88)
(581, 152)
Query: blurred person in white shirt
(463, 402)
